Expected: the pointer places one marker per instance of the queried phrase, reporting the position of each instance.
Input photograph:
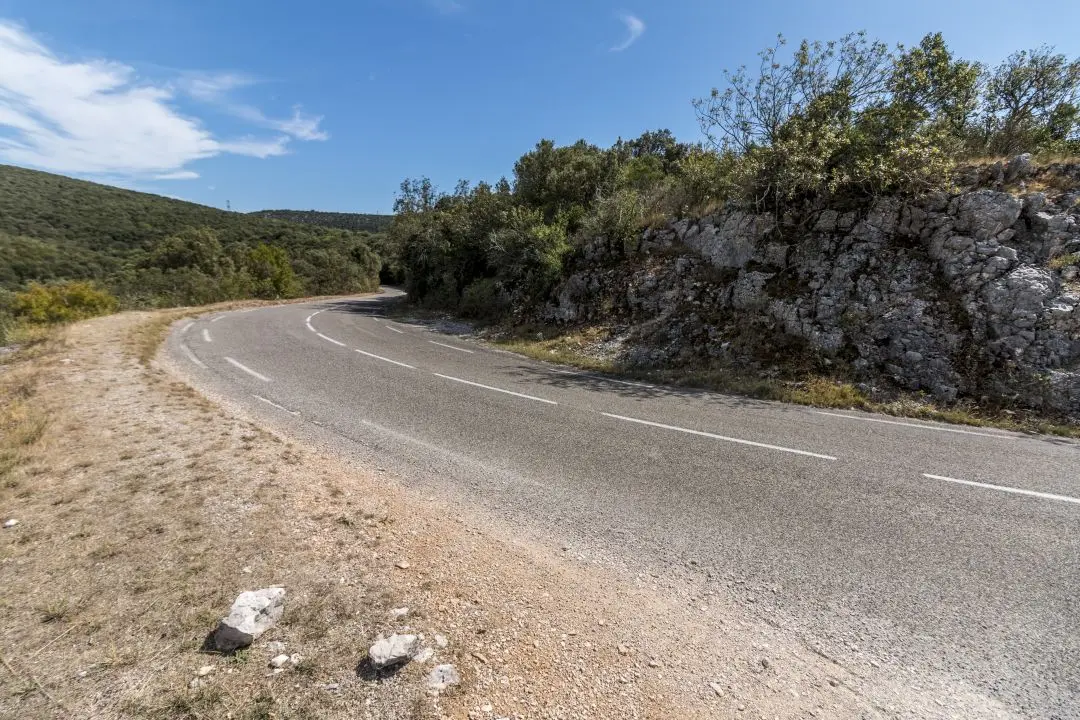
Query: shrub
(64, 302)
(484, 300)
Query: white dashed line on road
(215, 319)
(187, 326)
(603, 378)
(391, 327)
(246, 369)
(451, 347)
(500, 390)
(191, 355)
(720, 437)
(206, 335)
(327, 338)
(1004, 488)
(271, 403)
(917, 425)
(380, 357)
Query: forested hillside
(341, 220)
(154, 251)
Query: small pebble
(206, 670)
(279, 661)
(717, 689)
(10, 523)
(402, 564)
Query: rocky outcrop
(970, 294)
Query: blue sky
(329, 105)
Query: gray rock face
(951, 295)
(253, 613)
(442, 677)
(393, 650)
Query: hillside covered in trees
(343, 221)
(150, 250)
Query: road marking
(488, 387)
(191, 355)
(1003, 488)
(603, 378)
(215, 319)
(271, 403)
(307, 321)
(246, 369)
(451, 347)
(380, 357)
(206, 335)
(390, 327)
(187, 326)
(721, 437)
(917, 425)
(330, 339)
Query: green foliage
(63, 302)
(357, 222)
(151, 251)
(837, 121)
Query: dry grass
(1063, 261)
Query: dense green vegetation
(829, 122)
(151, 251)
(340, 220)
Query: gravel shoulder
(145, 508)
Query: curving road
(951, 554)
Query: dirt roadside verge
(144, 509)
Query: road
(949, 553)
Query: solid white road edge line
(390, 327)
(917, 425)
(720, 437)
(187, 326)
(327, 338)
(271, 403)
(246, 369)
(451, 347)
(206, 335)
(191, 355)
(307, 321)
(1003, 488)
(215, 319)
(488, 387)
(380, 357)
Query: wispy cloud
(446, 7)
(178, 175)
(216, 89)
(96, 117)
(635, 27)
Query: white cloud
(215, 88)
(97, 118)
(635, 26)
(178, 175)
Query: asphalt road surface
(950, 553)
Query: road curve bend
(948, 553)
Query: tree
(1031, 102)
(271, 273)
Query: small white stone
(424, 655)
(398, 613)
(717, 688)
(441, 641)
(275, 646)
(10, 523)
(206, 670)
(402, 565)
(279, 661)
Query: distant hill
(340, 220)
(56, 228)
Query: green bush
(483, 300)
(63, 302)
